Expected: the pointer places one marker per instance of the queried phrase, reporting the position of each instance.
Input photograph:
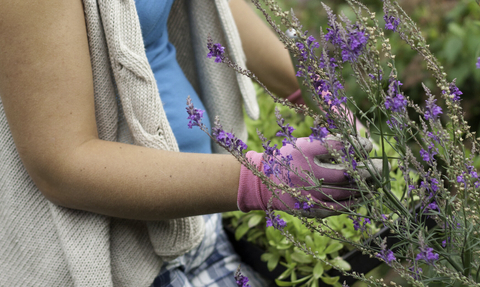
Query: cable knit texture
(42, 244)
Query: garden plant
(426, 150)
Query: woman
(93, 189)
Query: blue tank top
(172, 84)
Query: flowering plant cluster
(432, 143)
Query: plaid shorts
(213, 263)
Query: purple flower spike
(391, 23)
(275, 221)
(318, 133)
(359, 222)
(387, 256)
(428, 156)
(194, 115)
(395, 101)
(311, 40)
(305, 206)
(215, 50)
(478, 63)
(455, 91)
(228, 140)
(432, 110)
(353, 47)
(427, 255)
(242, 280)
(286, 130)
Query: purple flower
(334, 34)
(359, 222)
(318, 133)
(428, 155)
(478, 63)
(393, 123)
(275, 221)
(273, 166)
(311, 40)
(433, 137)
(194, 115)
(432, 110)
(387, 256)
(286, 130)
(432, 207)
(215, 50)
(242, 280)
(395, 101)
(391, 23)
(332, 63)
(434, 184)
(270, 150)
(228, 140)
(427, 255)
(303, 205)
(454, 91)
(354, 45)
(330, 122)
(303, 52)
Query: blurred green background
(451, 27)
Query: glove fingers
(375, 166)
(330, 193)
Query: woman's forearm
(135, 182)
(266, 56)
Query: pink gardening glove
(296, 98)
(254, 195)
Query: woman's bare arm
(46, 87)
(266, 56)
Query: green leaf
(291, 283)
(255, 220)
(339, 262)
(305, 269)
(251, 236)
(301, 257)
(287, 272)
(330, 280)
(320, 241)
(309, 241)
(273, 261)
(265, 256)
(318, 270)
(456, 30)
(241, 231)
(333, 247)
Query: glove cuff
(296, 98)
(250, 187)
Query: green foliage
(266, 122)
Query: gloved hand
(315, 158)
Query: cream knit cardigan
(42, 244)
